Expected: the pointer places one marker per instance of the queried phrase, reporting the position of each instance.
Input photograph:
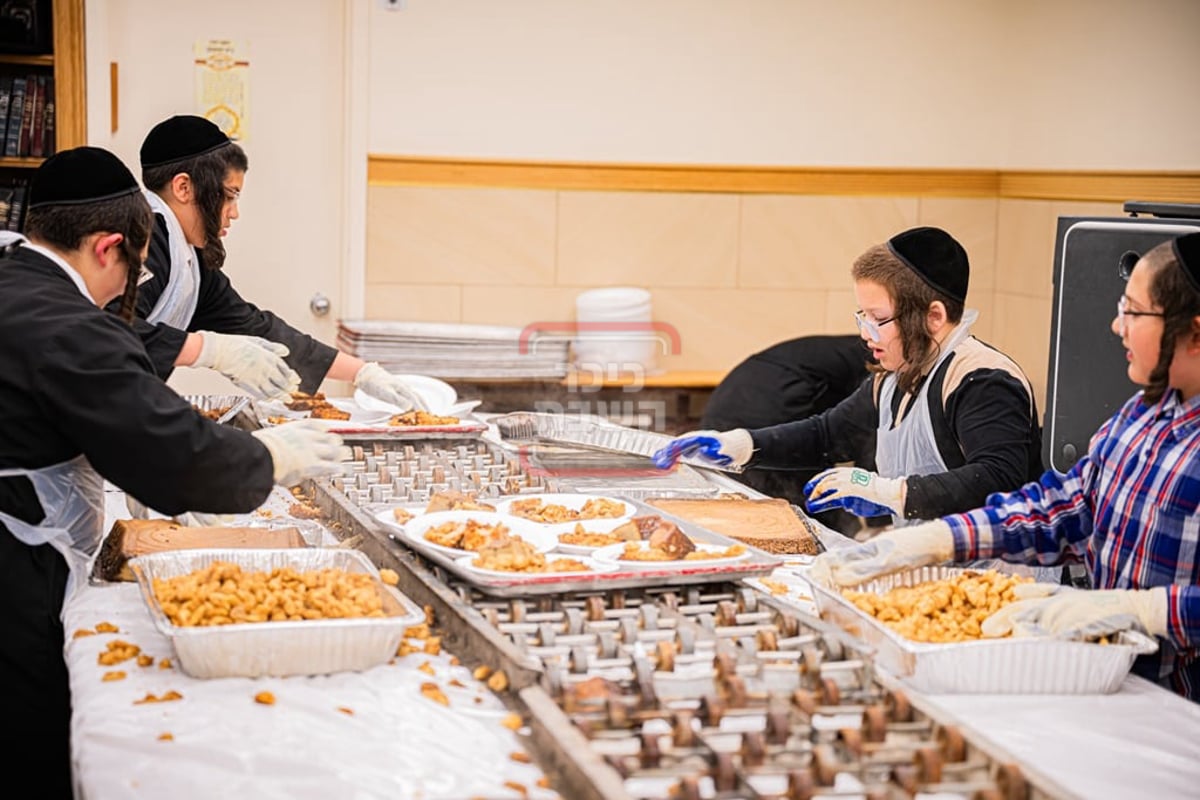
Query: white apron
(177, 303)
(72, 498)
(909, 448)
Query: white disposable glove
(1065, 612)
(857, 490)
(302, 449)
(888, 552)
(383, 385)
(723, 448)
(252, 363)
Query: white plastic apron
(177, 303)
(72, 498)
(909, 448)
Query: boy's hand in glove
(253, 364)
(856, 490)
(722, 448)
(302, 449)
(382, 385)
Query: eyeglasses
(231, 195)
(871, 326)
(1123, 313)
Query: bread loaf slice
(769, 524)
(135, 537)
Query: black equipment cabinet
(1087, 381)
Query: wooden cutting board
(136, 537)
(769, 524)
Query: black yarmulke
(180, 137)
(80, 175)
(937, 259)
(1187, 253)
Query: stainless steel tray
(994, 666)
(684, 573)
(310, 647)
(579, 431)
(234, 403)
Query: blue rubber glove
(722, 448)
(856, 490)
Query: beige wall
(1040, 85)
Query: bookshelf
(41, 61)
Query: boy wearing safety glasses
(950, 419)
(1132, 503)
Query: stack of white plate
(614, 330)
(457, 350)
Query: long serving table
(373, 734)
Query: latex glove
(857, 490)
(1046, 609)
(724, 448)
(253, 364)
(382, 385)
(302, 449)
(887, 552)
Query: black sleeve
(138, 433)
(222, 309)
(990, 415)
(162, 343)
(843, 433)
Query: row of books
(27, 115)
(12, 204)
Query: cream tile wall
(732, 273)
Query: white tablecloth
(394, 743)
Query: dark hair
(1171, 291)
(65, 227)
(208, 172)
(911, 298)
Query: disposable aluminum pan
(677, 573)
(254, 649)
(232, 404)
(578, 431)
(995, 666)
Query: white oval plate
(389, 519)
(358, 414)
(596, 567)
(438, 395)
(568, 500)
(414, 529)
(590, 525)
(612, 555)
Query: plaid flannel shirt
(1131, 503)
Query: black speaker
(1087, 381)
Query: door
(288, 244)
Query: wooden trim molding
(1117, 187)
(70, 87)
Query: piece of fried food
(514, 555)
(456, 501)
(415, 418)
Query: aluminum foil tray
(580, 431)
(311, 647)
(595, 472)
(233, 403)
(681, 573)
(996, 666)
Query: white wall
(1043, 84)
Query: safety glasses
(871, 326)
(1123, 314)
